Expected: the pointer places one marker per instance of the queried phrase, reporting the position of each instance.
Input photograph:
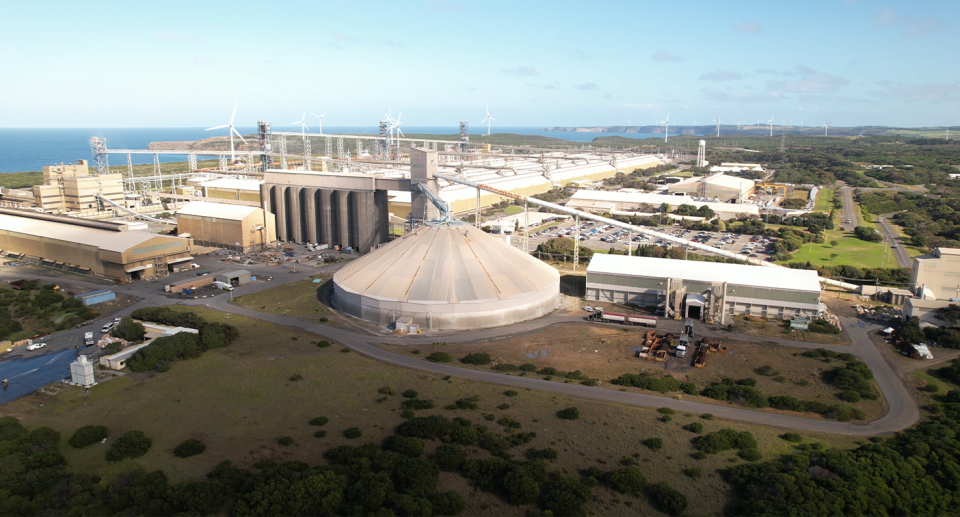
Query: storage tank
(447, 276)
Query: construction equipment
(625, 319)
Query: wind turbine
(666, 122)
(826, 126)
(233, 131)
(770, 122)
(487, 120)
(948, 135)
(801, 126)
(320, 122)
(718, 127)
(303, 125)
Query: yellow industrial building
(235, 227)
(236, 189)
(90, 247)
(70, 188)
(726, 189)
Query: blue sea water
(30, 149)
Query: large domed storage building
(447, 276)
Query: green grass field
(825, 200)
(851, 252)
(240, 399)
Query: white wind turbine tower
(801, 126)
(826, 126)
(233, 131)
(770, 122)
(487, 120)
(303, 125)
(320, 121)
(718, 127)
(666, 123)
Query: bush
(646, 381)
(786, 403)
(386, 390)
(449, 457)
(296, 377)
(320, 434)
(410, 394)
(528, 367)
(323, 343)
(285, 441)
(447, 503)
(352, 433)
(706, 416)
(345, 350)
(666, 411)
(822, 326)
(87, 435)
(131, 444)
(511, 393)
(319, 421)
(694, 427)
(570, 413)
(792, 437)
(439, 357)
(407, 446)
(626, 480)
(417, 404)
(666, 419)
(548, 371)
(505, 367)
(850, 396)
(750, 454)
(693, 472)
(724, 440)
(689, 388)
(766, 371)
(130, 330)
(565, 496)
(544, 454)
(666, 499)
(190, 447)
(654, 444)
(476, 359)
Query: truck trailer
(625, 319)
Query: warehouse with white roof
(599, 201)
(726, 189)
(713, 291)
(236, 227)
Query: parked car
(36, 346)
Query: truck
(626, 319)
(223, 285)
(681, 349)
(88, 339)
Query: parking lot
(599, 237)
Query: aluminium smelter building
(714, 291)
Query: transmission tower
(98, 148)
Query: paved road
(903, 413)
(903, 258)
(849, 210)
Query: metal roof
(218, 210)
(740, 274)
(233, 183)
(446, 263)
(103, 239)
(581, 198)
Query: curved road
(902, 414)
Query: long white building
(713, 291)
(599, 201)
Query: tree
(834, 243)
(130, 330)
(950, 314)
(131, 444)
(833, 256)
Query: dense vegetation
(184, 345)
(35, 310)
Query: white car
(107, 328)
(36, 346)
(588, 308)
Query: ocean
(24, 150)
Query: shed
(118, 361)
(235, 278)
(191, 284)
(95, 297)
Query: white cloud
(586, 86)
(748, 27)
(929, 92)
(809, 81)
(664, 56)
(521, 70)
(910, 26)
(720, 75)
(716, 94)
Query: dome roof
(447, 268)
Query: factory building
(70, 188)
(239, 228)
(712, 291)
(236, 189)
(90, 247)
(937, 275)
(447, 276)
(726, 189)
(600, 201)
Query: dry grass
(781, 329)
(293, 299)
(239, 400)
(605, 353)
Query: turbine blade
(234, 111)
(218, 127)
(237, 133)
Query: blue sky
(184, 64)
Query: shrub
(131, 444)
(646, 381)
(130, 330)
(447, 503)
(548, 371)
(699, 455)
(504, 406)
(190, 447)
(751, 454)
(449, 457)
(589, 382)
(850, 396)
(667, 499)
(766, 371)
(470, 403)
(511, 393)
(666, 411)
(476, 359)
(407, 446)
(323, 343)
(654, 444)
(386, 390)
(320, 420)
(666, 419)
(694, 427)
(296, 377)
(724, 440)
(792, 437)
(931, 388)
(417, 404)
(706, 416)
(570, 413)
(345, 350)
(693, 472)
(352, 433)
(822, 326)
(439, 357)
(786, 403)
(410, 394)
(528, 367)
(285, 441)
(565, 496)
(505, 367)
(545, 454)
(689, 388)
(87, 435)
(626, 480)
(320, 434)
